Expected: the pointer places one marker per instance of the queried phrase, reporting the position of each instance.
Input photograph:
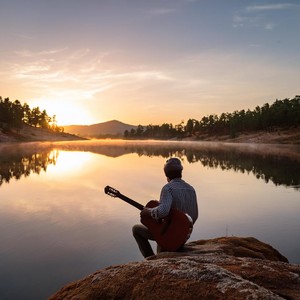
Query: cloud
(245, 21)
(251, 15)
(277, 6)
(269, 26)
(25, 37)
(77, 74)
(27, 53)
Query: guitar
(170, 232)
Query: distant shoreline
(283, 136)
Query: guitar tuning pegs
(111, 191)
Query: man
(176, 194)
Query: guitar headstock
(111, 191)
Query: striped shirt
(176, 194)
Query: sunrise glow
(148, 62)
(66, 114)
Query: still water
(57, 225)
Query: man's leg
(142, 236)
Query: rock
(233, 246)
(222, 268)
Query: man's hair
(172, 174)
(173, 168)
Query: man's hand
(146, 212)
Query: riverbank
(32, 134)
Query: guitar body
(171, 232)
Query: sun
(67, 112)
(75, 115)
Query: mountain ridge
(108, 128)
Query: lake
(57, 225)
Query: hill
(109, 128)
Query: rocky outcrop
(222, 268)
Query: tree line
(13, 115)
(280, 114)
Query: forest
(13, 115)
(282, 114)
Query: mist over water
(57, 225)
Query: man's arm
(165, 203)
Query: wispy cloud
(277, 6)
(27, 53)
(25, 37)
(270, 26)
(251, 15)
(245, 21)
(80, 73)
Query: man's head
(173, 168)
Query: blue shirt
(176, 194)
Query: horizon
(148, 62)
(151, 123)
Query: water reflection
(18, 162)
(58, 223)
(279, 164)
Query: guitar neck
(130, 201)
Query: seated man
(176, 194)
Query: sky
(148, 61)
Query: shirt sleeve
(165, 203)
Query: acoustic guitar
(170, 232)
